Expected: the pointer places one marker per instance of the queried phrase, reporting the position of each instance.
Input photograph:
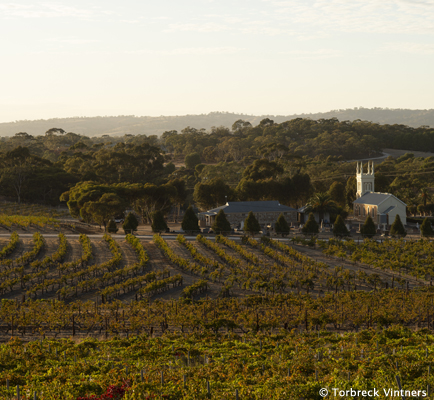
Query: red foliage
(112, 393)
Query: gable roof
(235, 207)
(375, 198)
(388, 210)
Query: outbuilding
(266, 212)
(382, 207)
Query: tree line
(290, 162)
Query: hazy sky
(80, 58)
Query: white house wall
(399, 209)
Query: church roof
(235, 207)
(388, 210)
(375, 198)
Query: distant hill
(129, 124)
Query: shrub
(426, 228)
(190, 223)
(368, 228)
(158, 222)
(191, 160)
(281, 226)
(221, 223)
(251, 224)
(339, 228)
(130, 223)
(112, 227)
(310, 227)
(397, 229)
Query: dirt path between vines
(386, 275)
(158, 263)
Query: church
(382, 207)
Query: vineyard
(415, 258)
(107, 270)
(222, 366)
(31, 217)
(32, 210)
(177, 318)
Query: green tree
(191, 160)
(281, 226)
(425, 195)
(337, 193)
(251, 224)
(152, 198)
(112, 227)
(381, 183)
(368, 228)
(397, 228)
(158, 222)
(302, 187)
(426, 228)
(321, 203)
(262, 169)
(239, 126)
(209, 154)
(429, 208)
(310, 227)
(190, 222)
(351, 190)
(211, 194)
(181, 193)
(339, 228)
(16, 170)
(52, 131)
(221, 224)
(29, 177)
(130, 224)
(101, 211)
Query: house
(266, 212)
(382, 207)
(303, 216)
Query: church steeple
(365, 182)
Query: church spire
(365, 182)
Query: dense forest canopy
(288, 161)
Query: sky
(277, 57)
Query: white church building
(382, 207)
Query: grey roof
(388, 210)
(303, 209)
(374, 198)
(235, 207)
